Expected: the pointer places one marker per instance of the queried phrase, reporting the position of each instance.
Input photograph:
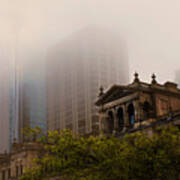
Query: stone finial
(136, 77)
(153, 79)
(101, 91)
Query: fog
(150, 28)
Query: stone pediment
(118, 91)
(114, 93)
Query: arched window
(110, 123)
(120, 115)
(146, 109)
(131, 115)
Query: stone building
(13, 165)
(138, 106)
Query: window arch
(110, 122)
(131, 115)
(146, 109)
(120, 115)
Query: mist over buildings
(30, 30)
(150, 28)
(76, 69)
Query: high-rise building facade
(76, 69)
(4, 104)
(33, 95)
(9, 98)
(22, 98)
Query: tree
(135, 157)
(32, 134)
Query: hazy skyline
(76, 68)
(150, 28)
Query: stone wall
(14, 164)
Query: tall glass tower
(33, 97)
(76, 68)
(5, 100)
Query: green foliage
(134, 157)
(32, 134)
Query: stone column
(126, 116)
(115, 118)
(136, 111)
(102, 117)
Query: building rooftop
(119, 91)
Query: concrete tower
(4, 102)
(76, 68)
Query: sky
(151, 29)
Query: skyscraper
(22, 99)
(33, 95)
(22, 94)
(4, 102)
(76, 68)
(9, 99)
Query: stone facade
(13, 165)
(138, 106)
